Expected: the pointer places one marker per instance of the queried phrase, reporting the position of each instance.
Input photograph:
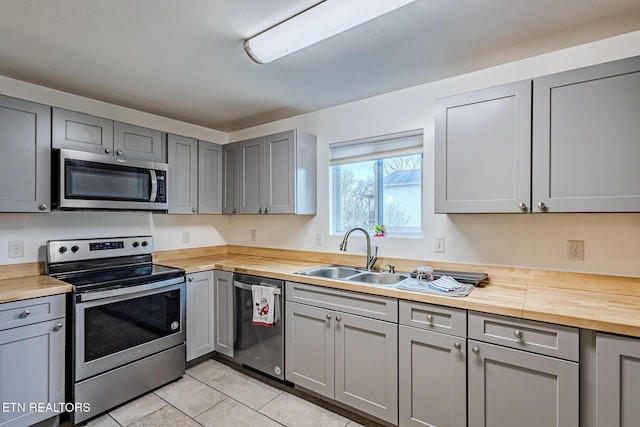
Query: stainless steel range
(127, 316)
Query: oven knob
(144, 243)
(136, 244)
(62, 249)
(174, 325)
(74, 249)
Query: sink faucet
(371, 260)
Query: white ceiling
(184, 59)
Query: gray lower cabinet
(342, 355)
(432, 366)
(32, 360)
(200, 314)
(585, 139)
(195, 176)
(25, 164)
(617, 381)
(271, 174)
(84, 132)
(223, 302)
(508, 386)
(483, 150)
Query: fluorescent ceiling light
(315, 24)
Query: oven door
(96, 181)
(119, 326)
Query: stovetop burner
(97, 264)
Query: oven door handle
(154, 185)
(247, 287)
(95, 295)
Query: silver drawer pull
(518, 333)
(338, 318)
(328, 316)
(475, 349)
(25, 314)
(430, 318)
(457, 346)
(57, 327)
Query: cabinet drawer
(373, 306)
(537, 337)
(26, 312)
(446, 320)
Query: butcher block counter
(602, 303)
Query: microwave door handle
(154, 185)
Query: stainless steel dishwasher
(257, 346)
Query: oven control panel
(85, 249)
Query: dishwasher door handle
(247, 287)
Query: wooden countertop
(602, 303)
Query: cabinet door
(231, 172)
(32, 371)
(78, 131)
(251, 176)
(514, 388)
(617, 381)
(280, 179)
(209, 178)
(183, 174)
(25, 164)
(200, 314)
(136, 142)
(366, 365)
(223, 301)
(309, 348)
(585, 139)
(432, 378)
(483, 150)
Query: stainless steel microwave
(96, 181)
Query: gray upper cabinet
(275, 174)
(183, 174)
(209, 178)
(483, 150)
(617, 381)
(79, 131)
(195, 176)
(231, 178)
(25, 164)
(137, 142)
(586, 139)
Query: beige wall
(612, 241)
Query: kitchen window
(377, 181)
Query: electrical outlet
(438, 245)
(186, 237)
(16, 249)
(253, 235)
(575, 250)
(318, 238)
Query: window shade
(377, 147)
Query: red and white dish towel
(265, 310)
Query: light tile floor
(215, 394)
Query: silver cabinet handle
(57, 327)
(522, 206)
(457, 345)
(328, 316)
(194, 210)
(338, 318)
(429, 318)
(542, 206)
(260, 210)
(191, 278)
(43, 207)
(235, 210)
(119, 152)
(475, 349)
(107, 150)
(266, 211)
(25, 314)
(517, 333)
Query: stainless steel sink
(351, 274)
(331, 272)
(378, 278)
